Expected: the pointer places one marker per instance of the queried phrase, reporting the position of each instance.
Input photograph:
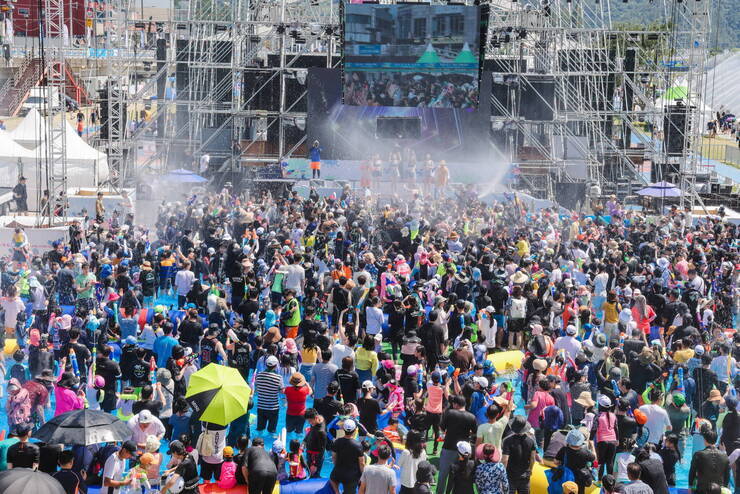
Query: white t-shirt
(113, 469)
(339, 351)
(294, 276)
(374, 317)
(657, 422)
(489, 328)
(570, 344)
(184, 282)
(12, 307)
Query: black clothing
(23, 455)
(327, 407)
(349, 383)
(316, 438)
(369, 409)
(153, 406)
(461, 477)
(706, 380)
(459, 425)
(71, 481)
(190, 332)
(708, 466)
(519, 448)
(49, 458)
(348, 452)
(258, 460)
(188, 470)
(139, 373)
(654, 476)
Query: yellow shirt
(683, 356)
(366, 360)
(611, 312)
(523, 248)
(309, 355)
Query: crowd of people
(371, 328)
(413, 89)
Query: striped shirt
(267, 386)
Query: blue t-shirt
(315, 154)
(163, 349)
(180, 424)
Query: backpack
(95, 470)
(556, 477)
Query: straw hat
(146, 265)
(297, 380)
(715, 395)
(585, 400)
(519, 278)
(539, 364)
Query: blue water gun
(73, 361)
(680, 380)
(615, 388)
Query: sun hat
(518, 424)
(463, 447)
(228, 451)
(519, 278)
(277, 446)
(585, 400)
(604, 401)
(715, 395)
(290, 346)
(570, 487)
(297, 380)
(699, 349)
(412, 370)
(368, 384)
(575, 438)
(539, 364)
(145, 417)
(481, 381)
(152, 444)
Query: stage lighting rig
(280, 28)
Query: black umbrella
(83, 427)
(26, 481)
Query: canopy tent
(31, 131)
(10, 150)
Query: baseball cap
(463, 447)
(271, 361)
(604, 401)
(481, 381)
(699, 349)
(349, 425)
(277, 446)
(412, 370)
(571, 330)
(368, 384)
(129, 446)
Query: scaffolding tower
(240, 69)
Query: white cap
(368, 384)
(482, 381)
(271, 361)
(571, 330)
(463, 447)
(349, 425)
(604, 401)
(277, 446)
(490, 309)
(699, 350)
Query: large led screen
(411, 55)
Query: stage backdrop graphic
(350, 132)
(411, 55)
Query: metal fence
(726, 153)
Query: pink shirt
(606, 427)
(434, 399)
(543, 400)
(66, 400)
(227, 480)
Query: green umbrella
(429, 55)
(218, 394)
(465, 55)
(676, 92)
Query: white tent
(10, 150)
(83, 161)
(31, 131)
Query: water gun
(621, 339)
(73, 361)
(615, 388)
(153, 371)
(669, 382)
(680, 386)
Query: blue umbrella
(660, 189)
(184, 176)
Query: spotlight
(280, 28)
(523, 34)
(329, 31)
(507, 38)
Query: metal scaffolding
(236, 65)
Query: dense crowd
(372, 330)
(411, 89)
